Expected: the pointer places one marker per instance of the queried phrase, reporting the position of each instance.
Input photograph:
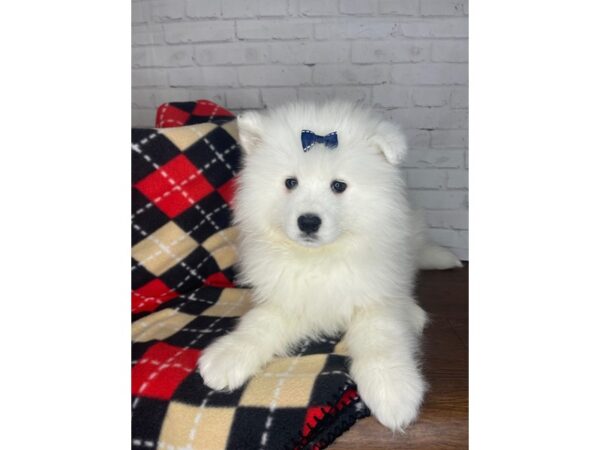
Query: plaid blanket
(183, 297)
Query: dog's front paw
(393, 395)
(227, 364)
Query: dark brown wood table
(443, 422)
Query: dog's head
(317, 196)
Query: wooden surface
(442, 423)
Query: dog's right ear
(390, 140)
(250, 128)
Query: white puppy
(330, 245)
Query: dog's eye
(338, 186)
(291, 183)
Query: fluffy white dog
(329, 244)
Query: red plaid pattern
(188, 113)
(151, 295)
(183, 297)
(161, 370)
(170, 179)
(182, 189)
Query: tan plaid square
(159, 325)
(286, 381)
(221, 247)
(284, 391)
(305, 365)
(183, 137)
(164, 248)
(232, 128)
(225, 237)
(231, 303)
(225, 257)
(194, 427)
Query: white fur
(357, 277)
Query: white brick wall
(407, 58)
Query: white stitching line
(192, 435)
(189, 297)
(216, 152)
(178, 308)
(158, 363)
(215, 226)
(145, 140)
(277, 392)
(214, 111)
(173, 121)
(186, 329)
(146, 299)
(196, 206)
(162, 113)
(174, 311)
(179, 239)
(167, 363)
(288, 375)
(144, 443)
(165, 106)
(135, 147)
(162, 444)
(218, 330)
(160, 301)
(161, 324)
(282, 376)
(186, 181)
(178, 259)
(197, 418)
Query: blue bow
(309, 139)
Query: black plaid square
(192, 391)
(250, 420)
(197, 301)
(139, 275)
(199, 264)
(150, 150)
(145, 212)
(147, 422)
(217, 154)
(210, 216)
(201, 331)
(333, 375)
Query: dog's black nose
(309, 223)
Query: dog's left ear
(250, 128)
(390, 140)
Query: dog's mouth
(309, 240)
